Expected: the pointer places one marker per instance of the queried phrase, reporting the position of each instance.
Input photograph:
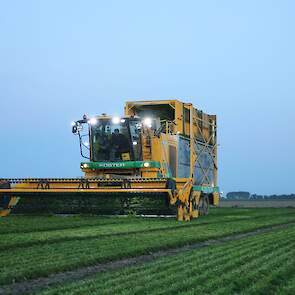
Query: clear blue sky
(61, 59)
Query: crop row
(33, 223)
(27, 224)
(288, 288)
(176, 265)
(42, 260)
(133, 225)
(75, 227)
(256, 265)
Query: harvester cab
(161, 150)
(114, 145)
(109, 138)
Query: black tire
(204, 205)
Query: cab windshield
(114, 141)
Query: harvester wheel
(204, 205)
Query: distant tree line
(238, 195)
(247, 195)
(284, 196)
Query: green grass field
(38, 246)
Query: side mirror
(74, 129)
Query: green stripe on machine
(120, 165)
(206, 189)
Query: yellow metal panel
(92, 190)
(179, 117)
(4, 213)
(215, 199)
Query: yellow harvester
(159, 149)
